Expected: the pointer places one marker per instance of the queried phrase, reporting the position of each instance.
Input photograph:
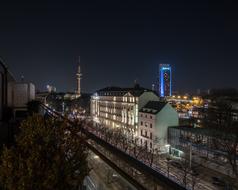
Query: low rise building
(208, 147)
(154, 119)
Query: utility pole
(190, 155)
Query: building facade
(5, 78)
(154, 119)
(19, 94)
(208, 147)
(119, 107)
(164, 86)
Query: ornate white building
(119, 107)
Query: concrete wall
(157, 124)
(168, 116)
(147, 123)
(20, 93)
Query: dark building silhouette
(5, 78)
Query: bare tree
(224, 131)
(226, 140)
(185, 170)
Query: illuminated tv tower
(79, 76)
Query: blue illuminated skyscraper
(164, 79)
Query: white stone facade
(154, 122)
(119, 107)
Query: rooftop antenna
(136, 84)
(135, 81)
(22, 78)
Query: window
(141, 122)
(151, 125)
(151, 117)
(150, 145)
(141, 132)
(146, 133)
(150, 135)
(145, 115)
(141, 115)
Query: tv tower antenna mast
(79, 76)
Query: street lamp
(168, 148)
(95, 156)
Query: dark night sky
(121, 41)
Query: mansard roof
(118, 91)
(153, 107)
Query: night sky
(120, 41)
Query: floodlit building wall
(153, 127)
(165, 118)
(119, 111)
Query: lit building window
(132, 120)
